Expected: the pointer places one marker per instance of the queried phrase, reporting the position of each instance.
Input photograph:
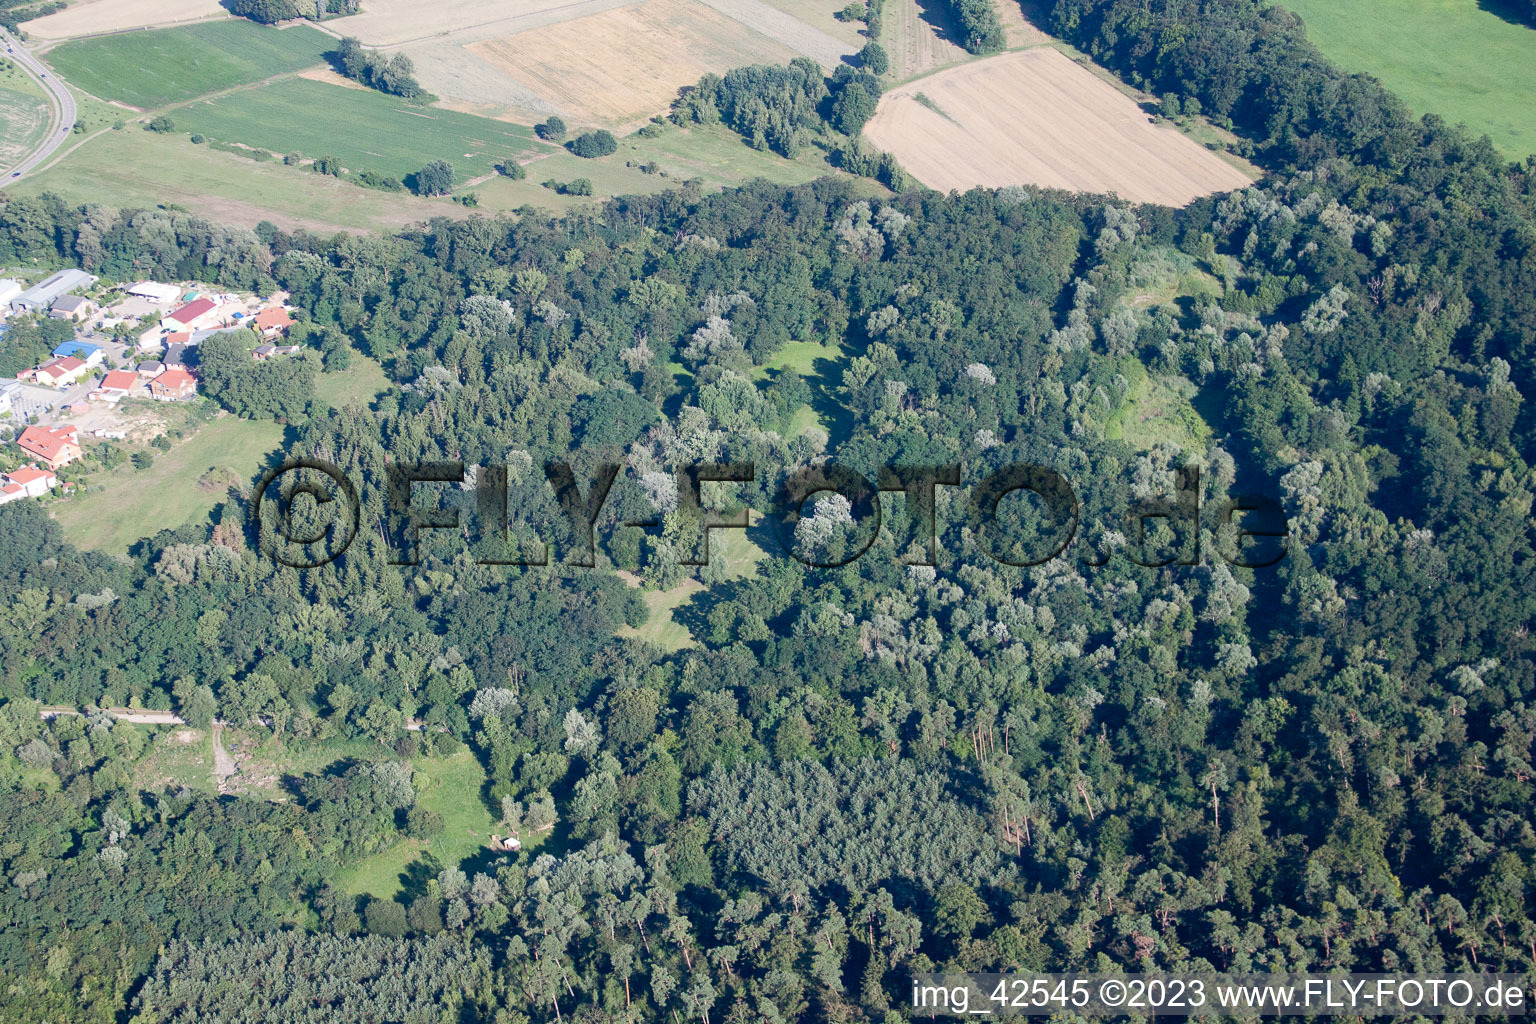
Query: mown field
(23, 122)
(363, 129)
(139, 503)
(1454, 58)
(133, 168)
(152, 69)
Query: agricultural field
(1455, 58)
(819, 14)
(152, 69)
(140, 503)
(622, 66)
(594, 62)
(392, 23)
(94, 17)
(919, 38)
(365, 130)
(1035, 117)
(134, 168)
(805, 39)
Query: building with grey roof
(41, 296)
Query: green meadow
(1448, 57)
(365, 130)
(155, 68)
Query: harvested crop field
(1036, 118)
(97, 16)
(824, 49)
(625, 65)
(396, 23)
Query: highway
(61, 102)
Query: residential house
(90, 355)
(27, 482)
(272, 321)
(173, 386)
(196, 315)
(115, 386)
(41, 296)
(56, 373)
(57, 446)
(71, 307)
(150, 369)
(263, 352)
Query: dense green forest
(859, 772)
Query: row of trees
(268, 12)
(395, 75)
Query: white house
(27, 482)
(9, 289)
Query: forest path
(224, 766)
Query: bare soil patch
(1036, 117)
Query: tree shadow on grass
(1516, 12)
(937, 15)
(825, 402)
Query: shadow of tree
(937, 14)
(1516, 12)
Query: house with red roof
(115, 386)
(194, 316)
(57, 446)
(27, 482)
(173, 386)
(272, 321)
(56, 373)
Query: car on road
(15, 174)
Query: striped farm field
(1034, 117)
(365, 130)
(151, 69)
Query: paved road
(61, 103)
